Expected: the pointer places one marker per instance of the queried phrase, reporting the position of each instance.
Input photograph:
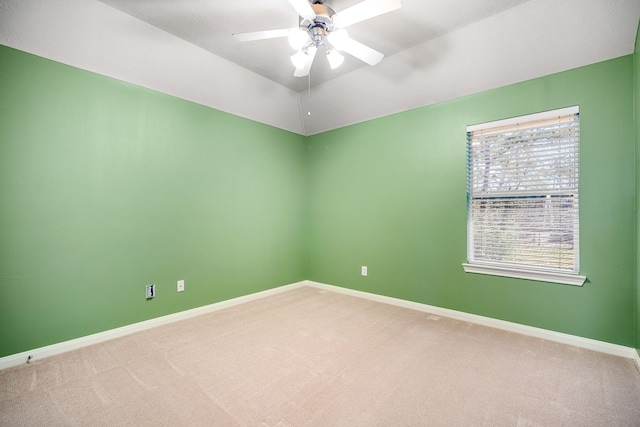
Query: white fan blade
(341, 41)
(261, 35)
(364, 10)
(304, 71)
(304, 9)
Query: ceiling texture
(210, 24)
(435, 50)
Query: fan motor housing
(321, 25)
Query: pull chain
(309, 95)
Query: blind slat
(522, 183)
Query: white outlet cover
(180, 285)
(364, 270)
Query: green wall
(106, 187)
(391, 194)
(636, 73)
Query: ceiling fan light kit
(303, 61)
(320, 26)
(298, 59)
(335, 58)
(297, 38)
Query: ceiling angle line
(302, 118)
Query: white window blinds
(522, 182)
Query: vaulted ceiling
(435, 50)
(210, 24)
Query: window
(522, 195)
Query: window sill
(543, 276)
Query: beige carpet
(309, 357)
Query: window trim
(526, 118)
(522, 273)
(553, 276)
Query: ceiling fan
(320, 26)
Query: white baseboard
(636, 357)
(601, 346)
(63, 347)
(74, 344)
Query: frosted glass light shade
(335, 58)
(299, 59)
(297, 38)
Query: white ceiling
(435, 50)
(210, 24)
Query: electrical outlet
(151, 291)
(180, 285)
(364, 270)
